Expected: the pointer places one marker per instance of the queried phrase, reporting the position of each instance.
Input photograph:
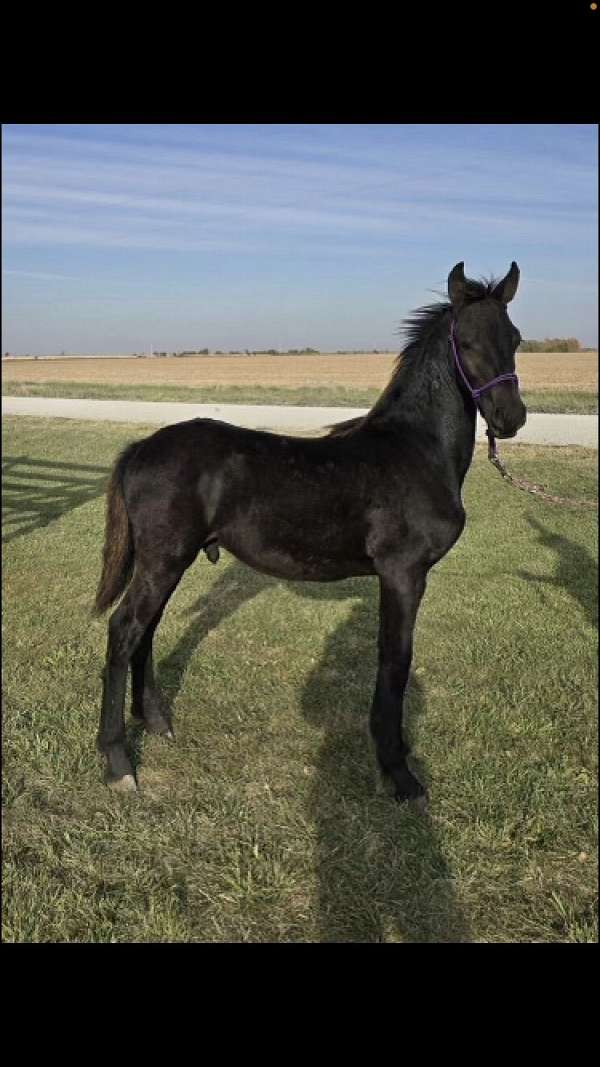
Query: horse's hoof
(417, 804)
(159, 726)
(126, 784)
(161, 731)
(405, 784)
(409, 788)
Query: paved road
(539, 429)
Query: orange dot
(593, 7)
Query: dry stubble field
(553, 371)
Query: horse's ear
(506, 289)
(457, 284)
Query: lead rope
(531, 487)
(519, 483)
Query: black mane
(416, 327)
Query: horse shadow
(381, 873)
(237, 585)
(576, 570)
(36, 492)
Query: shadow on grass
(382, 875)
(234, 587)
(576, 570)
(36, 492)
(381, 872)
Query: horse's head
(485, 343)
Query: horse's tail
(118, 556)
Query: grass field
(262, 823)
(552, 382)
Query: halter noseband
(476, 393)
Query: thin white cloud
(480, 172)
(251, 228)
(32, 233)
(42, 275)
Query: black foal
(379, 495)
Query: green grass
(565, 403)
(316, 396)
(262, 823)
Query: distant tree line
(549, 344)
(552, 344)
(238, 352)
(279, 352)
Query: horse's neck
(427, 400)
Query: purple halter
(476, 393)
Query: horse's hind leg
(142, 604)
(147, 703)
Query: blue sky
(118, 237)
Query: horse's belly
(297, 560)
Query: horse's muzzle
(504, 424)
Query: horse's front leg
(401, 589)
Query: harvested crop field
(576, 372)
